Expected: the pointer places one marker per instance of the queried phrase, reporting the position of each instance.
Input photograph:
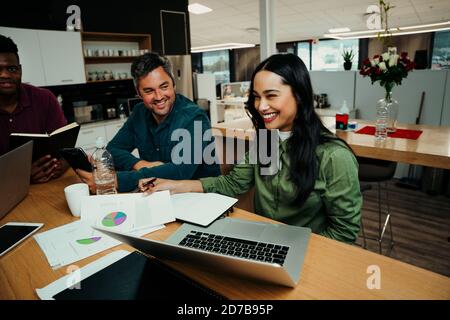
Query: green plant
(348, 55)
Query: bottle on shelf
(122, 114)
(381, 123)
(103, 169)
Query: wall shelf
(117, 51)
(99, 60)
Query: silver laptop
(269, 252)
(15, 170)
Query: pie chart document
(127, 212)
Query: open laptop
(15, 170)
(263, 251)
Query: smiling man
(149, 129)
(28, 109)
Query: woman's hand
(151, 185)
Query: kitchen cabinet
(48, 58)
(29, 54)
(62, 57)
(90, 131)
(88, 134)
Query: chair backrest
(375, 170)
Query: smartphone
(13, 233)
(76, 158)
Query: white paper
(76, 241)
(67, 281)
(127, 212)
(200, 208)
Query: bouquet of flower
(389, 68)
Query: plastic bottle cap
(100, 142)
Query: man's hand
(88, 178)
(146, 164)
(43, 169)
(61, 167)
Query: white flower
(377, 61)
(393, 60)
(372, 63)
(382, 66)
(392, 50)
(385, 56)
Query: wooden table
(431, 149)
(332, 270)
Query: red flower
(392, 74)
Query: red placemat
(400, 133)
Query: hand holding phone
(76, 158)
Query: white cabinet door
(88, 134)
(62, 56)
(112, 129)
(27, 42)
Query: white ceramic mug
(74, 194)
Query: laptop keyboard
(260, 251)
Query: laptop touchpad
(244, 229)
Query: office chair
(374, 170)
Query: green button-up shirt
(333, 207)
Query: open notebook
(201, 208)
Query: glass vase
(391, 106)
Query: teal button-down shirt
(333, 207)
(154, 143)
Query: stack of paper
(133, 214)
(127, 212)
(76, 241)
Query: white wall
(339, 85)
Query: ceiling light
(221, 46)
(198, 8)
(336, 30)
(394, 31)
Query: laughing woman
(317, 183)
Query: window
(303, 51)
(327, 54)
(441, 51)
(217, 62)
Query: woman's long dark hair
(308, 130)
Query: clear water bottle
(381, 124)
(103, 169)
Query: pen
(149, 183)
